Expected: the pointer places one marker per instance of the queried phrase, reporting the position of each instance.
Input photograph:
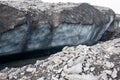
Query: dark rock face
(10, 17)
(87, 15)
(114, 29)
(51, 27)
(117, 21)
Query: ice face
(42, 37)
(75, 34)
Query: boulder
(36, 25)
(10, 18)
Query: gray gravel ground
(98, 62)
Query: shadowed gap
(29, 57)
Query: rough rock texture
(37, 25)
(98, 62)
(114, 29)
(9, 18)
(56, 14)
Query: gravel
(97, 62)
(38, 5)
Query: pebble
(114, 73)
(86, 68)
(42, 78)
(92, 68)
(37, 63)
(109, 65)
(54, 78)
(70, 62)
(31, 69)
(103, 77)
(108, 72)
(3, 76)
(56, 60)
(81, 77)
(64, 58)
(76, 69)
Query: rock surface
(9, 18)
(114, 30)
(98, 62)
(37, 25)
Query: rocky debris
(36, 25)
(98, 62)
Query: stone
(3, 76)
(103, 76)
(56, 60)
(86, 68)
(81, 77)
(108, 72)
(70, 62)
(92, 68)
(64, 58)
(32, 70)
(109, 64)
(76, 69)
(42, 78)
(37, 63)
(54, 78)
(114, 73)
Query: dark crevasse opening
(28, 57)
(113, 31)
(107, 36)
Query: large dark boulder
(10, 18)
(45, 25)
